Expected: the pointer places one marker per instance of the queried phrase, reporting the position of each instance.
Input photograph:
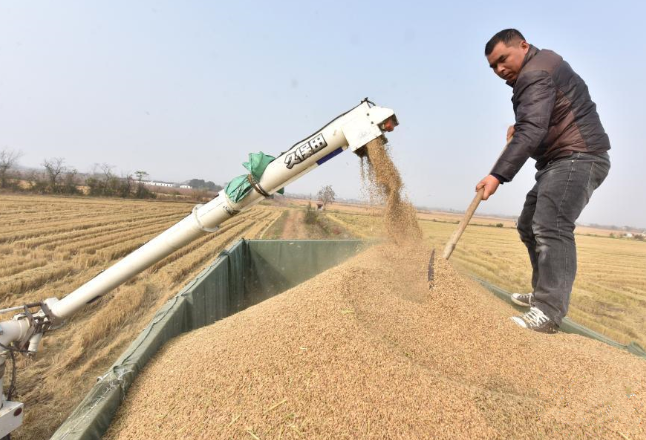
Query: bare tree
(69, 181)
(326, 195)
(110, 181)
(141, 192)
(8, 159)
(106, 169)
(54, 167)
(125, 188)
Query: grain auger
(267, 175)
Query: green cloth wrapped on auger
(239, 187)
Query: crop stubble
(54, 253)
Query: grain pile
(383, 184)
(365, 350)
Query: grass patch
(275, 231)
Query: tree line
(56, 177)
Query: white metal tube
(13, 330)
(34, 343)
(150, 253)
(354, 129)
(12, 309)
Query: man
(557, 125)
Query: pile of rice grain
(365, 350)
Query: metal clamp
(256, 186)
(199, 223)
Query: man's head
(505, 52)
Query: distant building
(167, 184)
(164, 184)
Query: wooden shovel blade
(431, 269)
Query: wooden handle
(448, 250)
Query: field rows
(52, 256)
(51, 246)
(18, 233)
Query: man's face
(506, 61)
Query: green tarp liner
(568, 326)
(245, 274)
(240, 186)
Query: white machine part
(353, 130)
(11, 415)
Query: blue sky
(186, 89)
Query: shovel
(450, 246)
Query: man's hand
(490, 185)
(510, 132)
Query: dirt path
(294, 226)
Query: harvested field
(49, 246)
(366, 350)
(306, 224)
(609, 294)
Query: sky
(187, 89)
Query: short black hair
(506, 36)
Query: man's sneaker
(522, 299)
(537, 321)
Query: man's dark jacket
(555, 115)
